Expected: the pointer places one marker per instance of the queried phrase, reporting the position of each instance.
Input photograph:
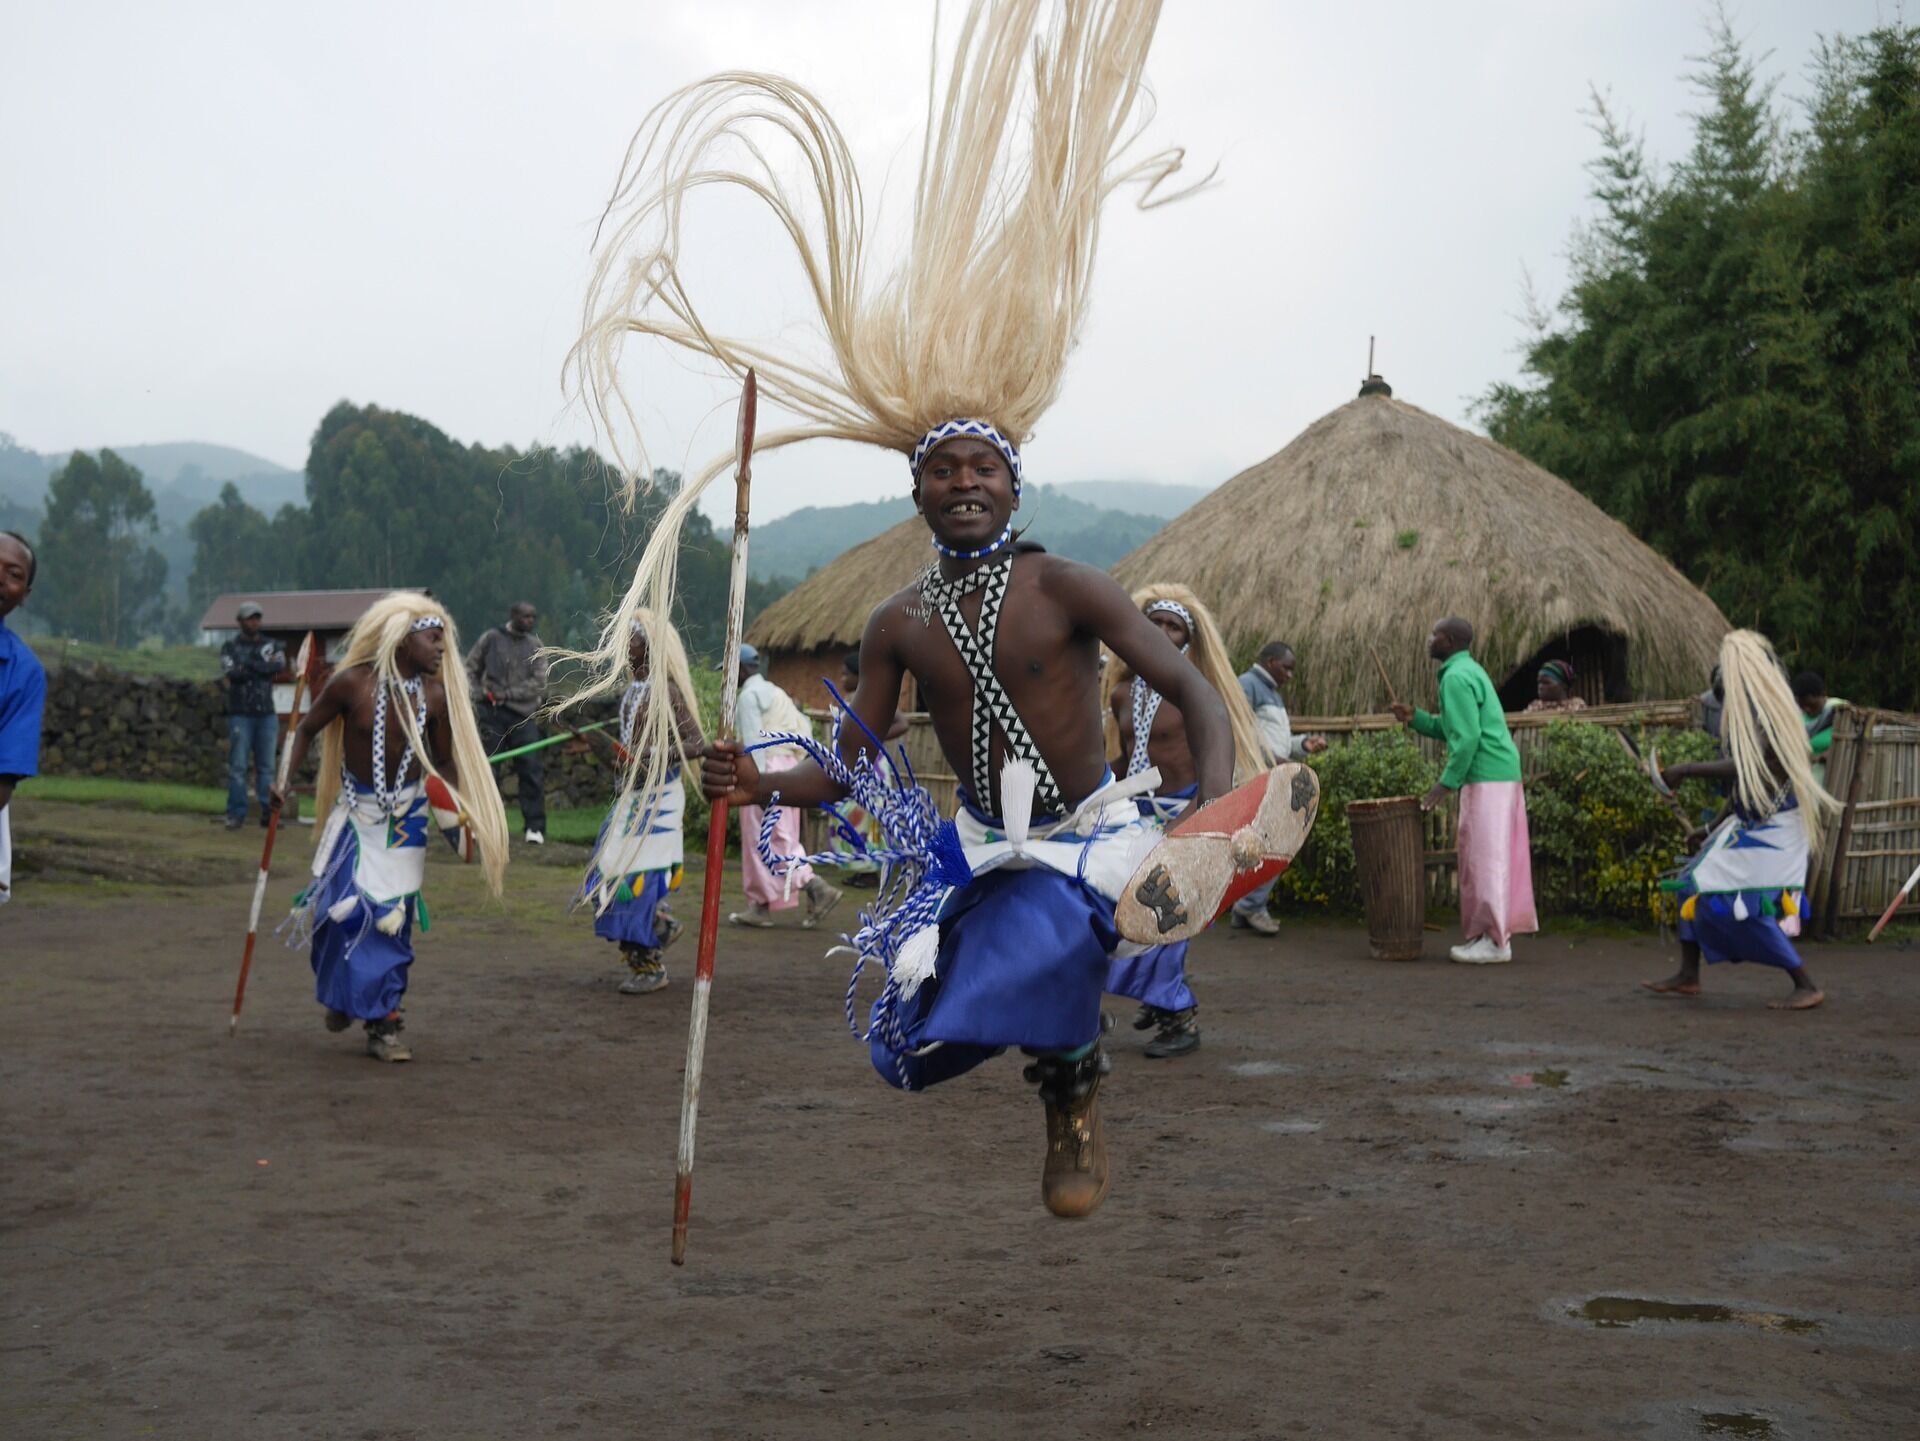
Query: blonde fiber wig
(1024, 143)
(1208, 653)
(375, 642)
(1766, 735)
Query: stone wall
(150, 728)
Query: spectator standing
(249, 662)
(1483, 765)
(23, 695)
(1713, 704)
(508, 677)
(1264, 684)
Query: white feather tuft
(392, 921)
(1017, 784)
(914, 965)
(342, 908)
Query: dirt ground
(1378, 1202)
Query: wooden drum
(1389, 851)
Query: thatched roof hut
(806, 632)
(1380, 518)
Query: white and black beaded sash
(387, 795)
(991, 704)
(1146, 706)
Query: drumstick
(1394, 699)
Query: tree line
(1734, 372)
(391, 501)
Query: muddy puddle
(1616, 1312)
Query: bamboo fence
(1873, 844)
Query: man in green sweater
(1495, 861)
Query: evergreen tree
(1735, 373)
(100, 580)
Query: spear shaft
(716, 830)
(302, 668)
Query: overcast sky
(219, 219)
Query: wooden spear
(1898, 901)
(302, 668)
(716, 828)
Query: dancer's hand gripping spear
(301, 668)
(716, 829)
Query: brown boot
(1074, 1179)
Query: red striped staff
(716, 829)
(301, 670)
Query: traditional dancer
(1483, 765)
(637, 859)
(390, 693)
(1150, 732)
(1741, 897)
(996, 928)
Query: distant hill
(800, 542)
(1061, 517)
(183, 475)
(1142, 497)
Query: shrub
(1377, 763)
(1601, 835)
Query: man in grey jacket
(1262, 684)
(509, 681)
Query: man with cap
(249, 662)
(764, 709)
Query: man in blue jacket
(23, 695)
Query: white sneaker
(1481, 951)
(536, 838)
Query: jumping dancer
(995, 929)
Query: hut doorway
(1599, 658)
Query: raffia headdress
(1024, 142)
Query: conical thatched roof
(1379, 519)
(831, 606)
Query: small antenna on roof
(1373, 384)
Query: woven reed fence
(1874, 843)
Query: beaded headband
(1171, 607)
(981, 430)
(427, 622)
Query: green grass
(577, 825)
(181, 662)
(140, 795)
